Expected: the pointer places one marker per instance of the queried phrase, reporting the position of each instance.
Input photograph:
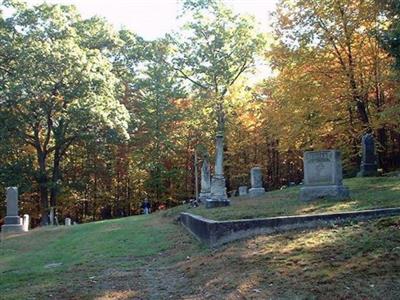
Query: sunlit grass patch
(366, 193)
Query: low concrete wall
(215, 233)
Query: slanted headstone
(369, 164)
(205, 191)
(323, 176)
(243, 190)
(256, 182)
(12, 222)
(218, 186)
(67, 221)
(25, 223)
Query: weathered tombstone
(369, 165)
(205, 191)
(218, 188)
(256, 182)
(243, 190)
(51, 216)
(25, 223)
(323, 176)
(12, 222)
(67, 221)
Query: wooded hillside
(93, 119)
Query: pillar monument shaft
(218, 185)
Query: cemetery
(199, 149)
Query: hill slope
(365, 193)
(152, 257)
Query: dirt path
(165, 283)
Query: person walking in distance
(146, 206)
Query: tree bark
(55, 177)
(43, 181)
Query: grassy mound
(152, 257)
(366, 193)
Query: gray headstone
(243, 190)
(67, 222)
(12, 201)
(369, 162)
(256, 177)
(12, 222)
(323, 176)
(256, 182)
(205, 191)
(218, 195)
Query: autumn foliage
(93, 119)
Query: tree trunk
(356, 96)
(55, 177)
(43, 180)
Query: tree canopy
(94, 119)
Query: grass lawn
(87, 261)
(365, 193)
(152, 257)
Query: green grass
(366, 193)
(153, 257)
(52, 257)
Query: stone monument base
(12, 220)
(218, 188)
(204, 196)
(8, 229)
(368, 170)
(336, 192)
(218, 196)
(211, 203)
(254, 192)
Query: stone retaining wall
(215, 233)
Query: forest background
(94, 119)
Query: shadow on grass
(353, 262)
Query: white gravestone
(25, 223)
(67, 222)
(256, 182)
(12, 222)
(323, 176)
